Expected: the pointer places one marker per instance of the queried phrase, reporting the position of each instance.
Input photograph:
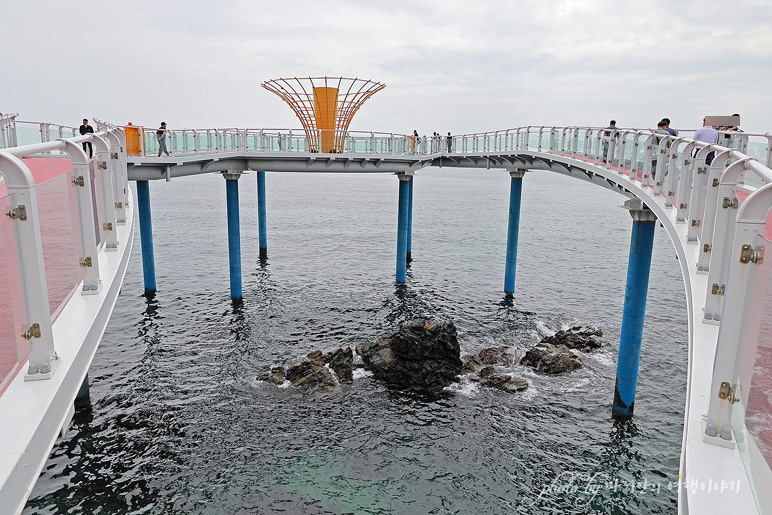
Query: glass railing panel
(203, 143)
(60, 235)
(752, 415)
(176, 143)
(758, 150)
(13, 348)
(151, 143)
(28, 134)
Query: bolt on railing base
(42, 376)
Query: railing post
(404, 195)
(638, 268)
(234, 233)
(262, 231)
(117, 173)
(710, 214)
(622, 149)
(700, 228)
(672, 170)
(552, 140)
(104, 169)
(612, 148)
(720, 248)
(20, 184)
(684, 184)
(751, 221)
(697, 192)
(661, 169)
(515, 191)
(86, 211)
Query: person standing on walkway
(607, 135)
(706, 134)
(160, 135)
(87, 129)
(450, 143)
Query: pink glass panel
(757, 364)
(13, 348)
(60, 234)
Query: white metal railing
(94, 228)
(8, 130)
(723, 192)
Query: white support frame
(80, 166)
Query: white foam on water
(359, 373)
(543, 330)
(465, 387)
(579, 385)
(285, 384)
(604, 358)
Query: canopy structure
(324, 105)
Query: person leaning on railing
(706, 134)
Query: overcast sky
(458, 66)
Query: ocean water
(178, 424)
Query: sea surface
(179, 425)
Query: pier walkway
(716, 216)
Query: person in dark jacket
(87, 129)
(160, 135)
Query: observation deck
(713, 201)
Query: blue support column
(146, 235)
(234, 233)
(408, 253)
(261, 215)
(83, 398)
(404, 197)
(515, 190)
(636, 289)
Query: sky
(449, 66)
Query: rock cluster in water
(317, 370)
(553, 355)
(422, 355)
(425, 356)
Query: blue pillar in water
(408, 253)
(146, 235)
(234, 234)
(82, 399)
(644, 222)
(515, 190)
(402, 223)
(261, 214)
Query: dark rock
(489, 377)
(275, 376)
(576, 339)
(497, 356)
(312, 373)
(471, 364)
(421, 355)
(551, 359)
(341, 361)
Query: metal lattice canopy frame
(322, 99)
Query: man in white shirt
(706, 134)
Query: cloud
(448, 65)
